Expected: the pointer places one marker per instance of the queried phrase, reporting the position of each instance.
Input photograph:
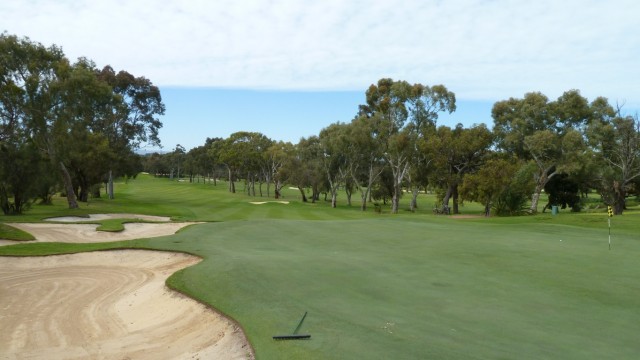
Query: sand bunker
(108, 305)
(93, 217)
(267, 202)
(81, 233)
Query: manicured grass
(411, 286)
(10, 233)
(401, 288)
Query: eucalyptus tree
(490, 182)
(60, 105)
(213, 146)
(366, 157)
(134, 120)
(196, 162)
(547, 133)
(242, 153)
(334, 142)
(457, 152)
(19, 172)
(30, 75)
(392, 106)
(274, 158)
(310, 166)
(616, 143)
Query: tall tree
(547, 133)
(390, 105)
(334, 142)
(366, 157)
(617, 146)
(458, 151)
(60, 104)
(275, 157)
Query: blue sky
(198, 113)
(288, 68)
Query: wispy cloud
(489, 49)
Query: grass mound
(8, 232)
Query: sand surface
(83, 233)
(267, 202)
(107, 304)
(109, 216)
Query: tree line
(72, 127)
(394, 147)
(66, 126)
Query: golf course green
(382, 286)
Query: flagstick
(609, 233)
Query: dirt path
(107, 305)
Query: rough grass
(410, 286)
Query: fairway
(383, 289)
(382, 286)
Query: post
(610, 213)
(609, 233)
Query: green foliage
(19, 175)
(85, 122)
(563, 192)
(513, 199)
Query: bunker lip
(93, 217)
(109, 304)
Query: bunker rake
(294, 335)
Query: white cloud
(489, 49)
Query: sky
(288, 68)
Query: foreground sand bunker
(104, 305)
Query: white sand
(108, 305)
(82, 233)
(93, 217)
(267, 202)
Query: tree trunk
(232, 186)
(619, 195)
(66, 179)
(445, 200)
(540, 183)
(455, 198)
(83, 194)
(487, 209)
(414, 199)
(110, 186)
(363, 199)
(304, 197)
(395, 200)
(535, 198)
(268, 181)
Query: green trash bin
(554, 210)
